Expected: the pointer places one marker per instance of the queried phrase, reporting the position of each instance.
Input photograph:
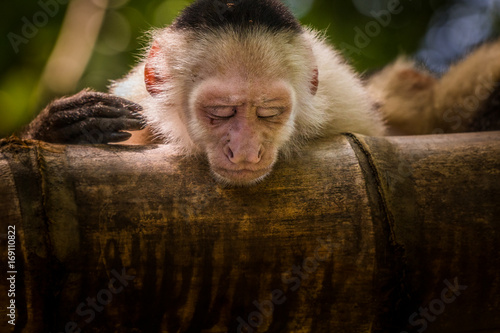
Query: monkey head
(236, 92)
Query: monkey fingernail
(119, 136)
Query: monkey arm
(466, 98)
(87, 117)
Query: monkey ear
(315, 81)
(153, 76)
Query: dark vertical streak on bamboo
(443, 194)
(391, 259)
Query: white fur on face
(241, 124)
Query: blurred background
(51, 48)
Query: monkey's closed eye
(221, 112)
(265, 113)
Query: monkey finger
(94, 131)
(97, 98)
(63, 119)
(130, 124)
(109, 125)
(88, 97)
(104, 111)
(117, 136)
(100, 137)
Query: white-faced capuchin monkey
(240, 82)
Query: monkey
(238, 82)
(414, 101)
(243, 84)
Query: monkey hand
(86, 118)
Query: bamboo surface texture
(357, 234)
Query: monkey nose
(242, 156)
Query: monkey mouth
(241, 176)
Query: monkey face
(241, 125)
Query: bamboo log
(357, 234)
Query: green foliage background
(127, 20)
